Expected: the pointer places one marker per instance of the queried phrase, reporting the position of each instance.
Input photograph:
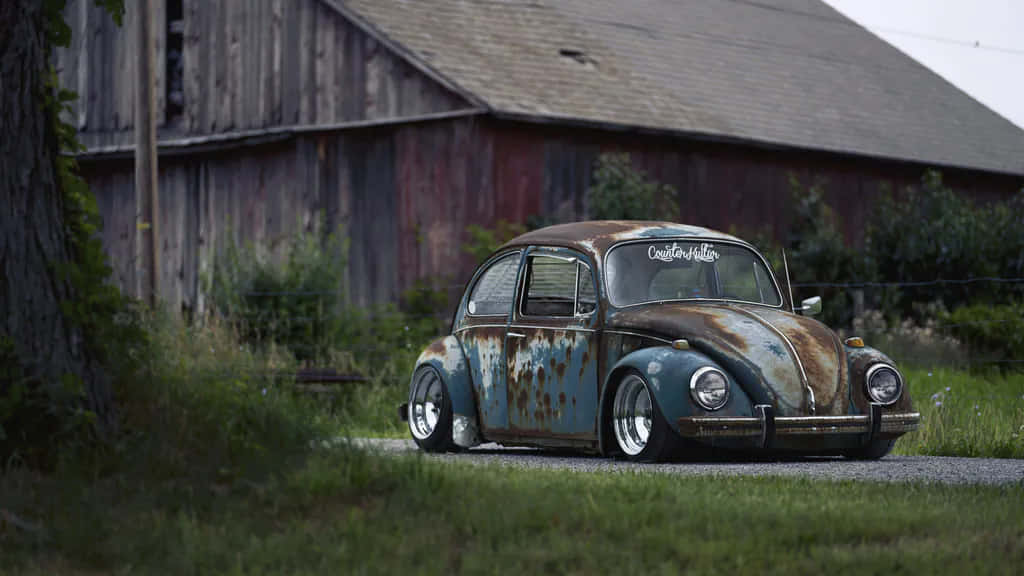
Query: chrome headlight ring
(709, 388)
(883, 384)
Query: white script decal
(704, 253)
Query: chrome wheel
(632, 415)
(425, 404)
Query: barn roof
(794, 73)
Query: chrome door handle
(515, 335)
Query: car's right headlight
(884, 384)
(709, 388)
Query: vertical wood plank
(216, 45)
(387, 93)
(307, 46)
(371, 104)
(108, 104)
(128, 54)
(236, 25)
(220, 96)
(275, 62)
(340, 89)
(324, 65)
(191, 69)
(265, 45)
(159, 9)
(290, 66)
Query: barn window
(175, 71)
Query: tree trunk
(33, 234)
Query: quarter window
(586, 296)
(495, 290)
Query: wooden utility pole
(147, 243)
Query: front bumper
(766, 427)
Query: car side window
(550, 286)
(558, 286)
(496, 288)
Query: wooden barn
(404, 121)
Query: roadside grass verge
(222, 469)
(966, 414)
(981, 415)
(345, 511)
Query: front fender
(667, 372)
(859, 360)
(445, 355)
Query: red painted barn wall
(405, 194)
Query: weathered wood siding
(248, 64)
(721, 186)
(404, 195)
(100, 65)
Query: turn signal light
(681, 344)
(855, 342)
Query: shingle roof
(784, 72)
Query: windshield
(686, 270)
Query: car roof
(597, 236)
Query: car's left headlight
(884, 384)
(709, 388)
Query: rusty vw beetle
(647, 340)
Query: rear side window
(495, 290)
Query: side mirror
(811, 306)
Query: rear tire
(876, 450)
(430, 411)
(640, 431)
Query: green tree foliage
(929, 233)
(484, 241)
(817, 253)
(621, 192)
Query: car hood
(776, 356)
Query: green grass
(344, 511)
(220, 471)
(965, 414)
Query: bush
(990, 332)
(484, 241)
(620, 192)
(932, 233)
(298, 303)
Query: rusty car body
(648, 340)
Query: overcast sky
(992, 74)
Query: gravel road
(940, 469)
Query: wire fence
(320, 334)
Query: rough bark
(33, 234)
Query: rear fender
(668, 372)
(445, 356)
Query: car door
(552, 347)
(480, 328)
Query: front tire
(430, 411)
(640, 430)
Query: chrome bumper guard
(766, 426)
